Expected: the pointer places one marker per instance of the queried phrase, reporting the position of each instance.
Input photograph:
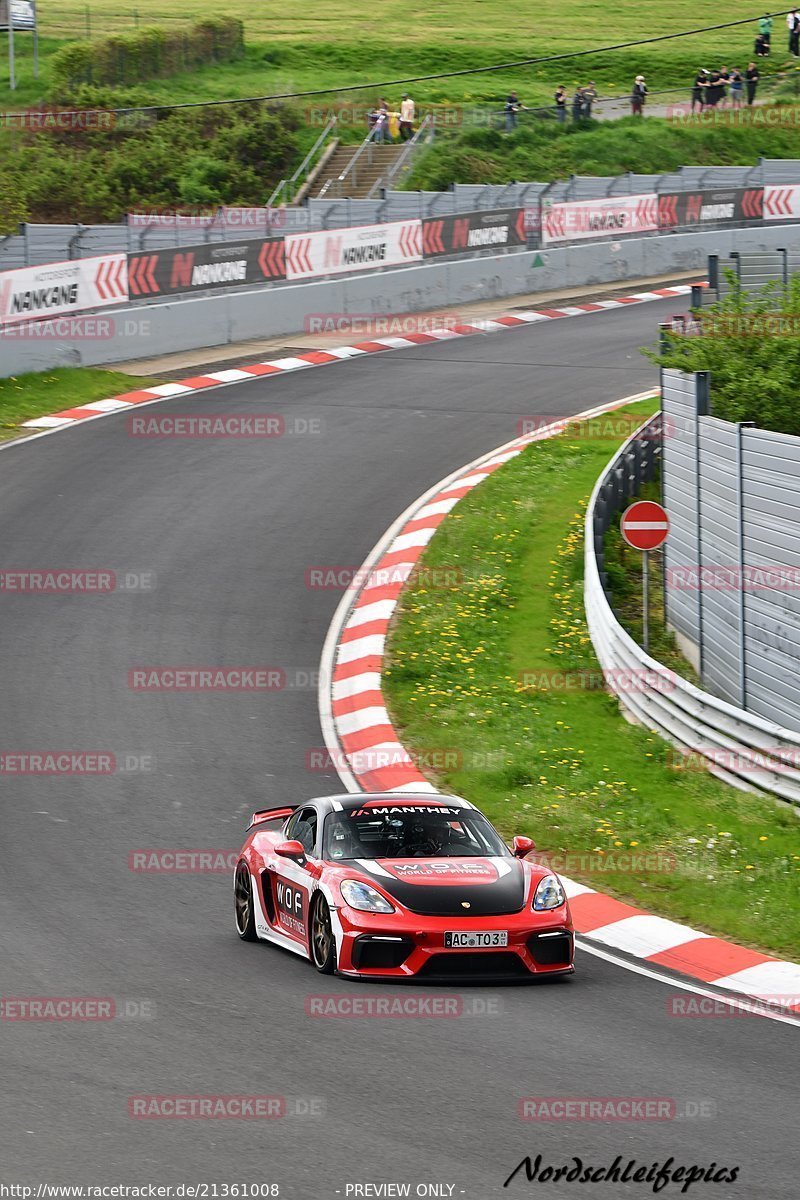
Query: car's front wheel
(323, 943)
(243, 904)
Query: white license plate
(476, 940)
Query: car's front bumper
(408, 946)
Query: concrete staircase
(373, 163)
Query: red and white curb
(315, 358)
(370, 756)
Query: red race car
(400, 886)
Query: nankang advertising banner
(34, 293)
(710, 207)
(208, 265)
(21, 12)
(492, 229)
(615, 216)
(363, 248)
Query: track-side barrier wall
(439, 284)
(739, 747)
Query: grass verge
(496, 679)
(41, 393)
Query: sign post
(19, 16)
(12, 78)
(645, 525)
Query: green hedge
(205, 156)
(146, 54)
(750, 344)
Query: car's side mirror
(292, 849)
(523, 845)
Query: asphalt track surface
(230, 528)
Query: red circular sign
(645, 525)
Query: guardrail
(738, 747)
(778, 178)
(78, 286)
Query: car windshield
(410, 832)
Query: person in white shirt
(407, 114)
(793, 25)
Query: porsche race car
(401, 886)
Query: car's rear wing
(271, 814)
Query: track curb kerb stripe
(369, 754)
(66, 418)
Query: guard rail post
(701, 409)
(740, 427)
(713, 273)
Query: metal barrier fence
(39, 244)
(740, 747)
(732, 577)
(751, 272)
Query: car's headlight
(549, 894)
(364, 898)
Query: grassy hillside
(544, 151)
(294, 47)
(236, 155)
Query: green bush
(13, 209)
(204, 156)
(750, 345)
(146, 54)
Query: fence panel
(681, 405)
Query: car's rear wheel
(323, 943)
(243, 904)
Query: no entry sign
(645, 525)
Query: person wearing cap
(407, 114)
(699, 89)
(638, 96)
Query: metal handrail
(285, 185)
(366, 145)
(428, 123)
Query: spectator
(589, 97)
(724, 80)
(380, 125)
(561, 103)
(714, 90)
(752, 76)
(638, 96)
(793, 25)
(737, 87)
(512, 107)
(577, 104)
(699, 88)
(760, 47)
(765, 29)
(407, 114)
